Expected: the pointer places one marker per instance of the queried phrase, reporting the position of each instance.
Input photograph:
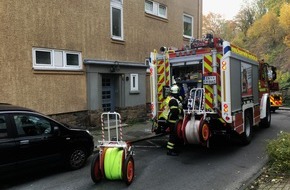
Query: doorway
(108, 96)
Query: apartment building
(74, 59)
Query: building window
(117, 19)
(156, 9)
(187, 26)
(134, 82)
(72, 59)
(43, 57)
(52, 59)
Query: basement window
(53, 59)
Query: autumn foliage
(262, 27)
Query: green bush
(286, 101)
(279, 153)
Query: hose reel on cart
(195, 130)
(115, 158)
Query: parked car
(29, 139)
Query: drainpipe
(199, 20)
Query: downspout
(200, 18)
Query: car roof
(10, 107)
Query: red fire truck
(226, 89)
(276, 98)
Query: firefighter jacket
(175, 110)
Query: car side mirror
(56, 130)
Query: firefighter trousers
(173, 138)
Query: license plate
(209, 80)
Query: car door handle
(24, 142)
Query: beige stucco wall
(79, 25)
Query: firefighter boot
(172, 153)
(171, 149)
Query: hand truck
(115, 158)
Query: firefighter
(175, 113)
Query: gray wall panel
(236, 98)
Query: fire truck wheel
(128, 170)
(266, 122)
(96, 173)
(247, 135)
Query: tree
(275, 5)
(212, 24)
(284, 21)
(229, 30)
(245, 18)
(265, 34)
(260, 8)
(284, 79)
(219, 27)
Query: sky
(227, 8)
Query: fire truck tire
(273, 110)
(96, 172)
(128, 170)
(266, 122)
(246, 136)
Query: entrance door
(108, 99)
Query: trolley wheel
(128, 170)
(204, 131)
(96, 172)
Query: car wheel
(76, 158)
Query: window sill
(117, 41)
(135, 92)
(58, 72)
(156, 17)
(186, 38)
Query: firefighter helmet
(174, 89)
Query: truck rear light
(151, 71)
(224, 67)
(226, 108)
